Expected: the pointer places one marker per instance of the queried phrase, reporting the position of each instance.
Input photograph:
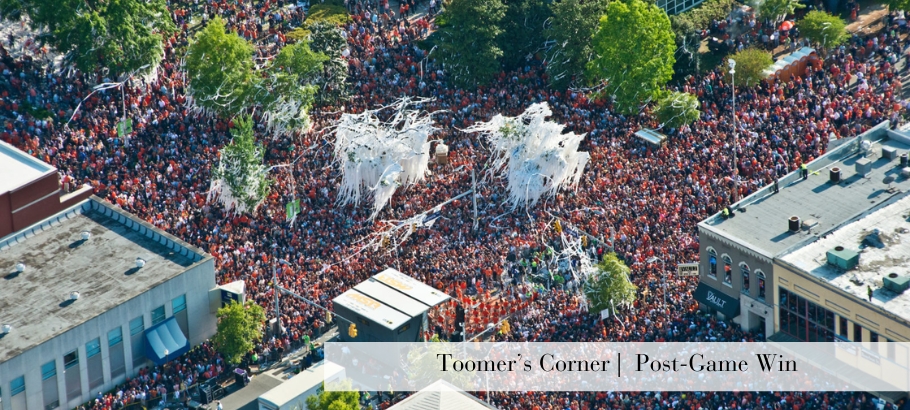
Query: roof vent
(86, 235)
(7, 328)
(140, 262)
(834, 175)
(74, 296)
(794, 224)
(20, 267)
(843, 258)
(896, 283)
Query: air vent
(74, 296)
(86, 235)
(6, 329)
(843, 258)
(896, 283)
(20, 267)
(140, 262)
(808, 224)
(794, 224)
(834, 175)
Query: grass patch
(330, 12)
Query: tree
(331, 82)
(281, 90)
(467, 40)
(895, 5)
(240, 179)
(634, 47)
(522, 31)
(610, 286)
(239, 326)
(776, 10)
(573, 25)
(750, 66)
(124, 36)
(676, 109)
(219, 66)
(823, 29)
(343, 398)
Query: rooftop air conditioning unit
(86, 235)
(843, 258)
(20, 267)
(896, 283)
(6, 329)
(74, 296)
(140, 262)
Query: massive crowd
(644, 201)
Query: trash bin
(239, 376)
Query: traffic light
(557, 226)
(328, 317)
(352, 331)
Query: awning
(718, 300)
(165, 341)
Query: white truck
(292, 394)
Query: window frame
(134, 330)
(745, 272)
(177, 308)
(13, 386)
(761, 284)
(163, 316)
(119, 337)
(712, 263)
(728, 269)
(48, 370)
(75, 359)
(96, 350)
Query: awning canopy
(165, 341)
(717, 300)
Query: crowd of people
(641, 200)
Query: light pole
(275, 284)
(663, 268)
(732, 63)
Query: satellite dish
(889, 180)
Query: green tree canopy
(467, 40)
(240, 179)
(335, 400)
(522, 31)
(220, 70)
(611, 286)
(239, 326)
(823, 29)
(332, 80)
(124, 36)
(776, 10)
(676, 109)
(635, 47)
(571, 29)
(750, 65)
(895, 5)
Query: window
(71, 359)
(17, 386)
(843, 327)
(178, 304)
(136, 326)
(745, 271)
(873, 337)
(728, 270)
(49, 370)
(761, 284)
(805, 320)
(857, 333)
(157, 315)
(115, 337)
(92, 348)
(712, 263)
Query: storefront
(717, 301)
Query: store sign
(687, 269)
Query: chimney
(834, 175)
(794, 224)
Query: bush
(328, 12)
(700, 17)
(676, 109)
(298, 34)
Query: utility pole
(474, 190)
(275, 284)
(732, 64)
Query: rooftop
(414, 288)
(890, 253)
(102, 269)
(441, 396)
(19, 168)
(761, 219)
(371, 309)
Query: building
(90, 295)
(30, 190)
(736, 268)
(442, 396)
(293, 393)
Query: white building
(91, 295)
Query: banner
(125, 127)
(292, 209)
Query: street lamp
(732, 63)
(275, 284)
(663, 267)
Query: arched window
(745, 271)
(728, 270)
(761, 284)
(712, 263)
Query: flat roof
(371, 309)
(302, 382)
(18, 168)
(391, 297)
(441, 396)
(763, 224)
(893, 223)
(102, 269)
(414, 288)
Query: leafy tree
(634, 47)
(220, 70)
(522, 31)
(240, 180)
(124, 36)
(823, 29)
(331, 82)
(895, 5)
(467, 40)
(610, 286)
(239, 326)
(282, 91)
(750, 66)
(687, 28)
(332, 13)
(573, 25)
(676, 109)
(345, 398)
(776, 10)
